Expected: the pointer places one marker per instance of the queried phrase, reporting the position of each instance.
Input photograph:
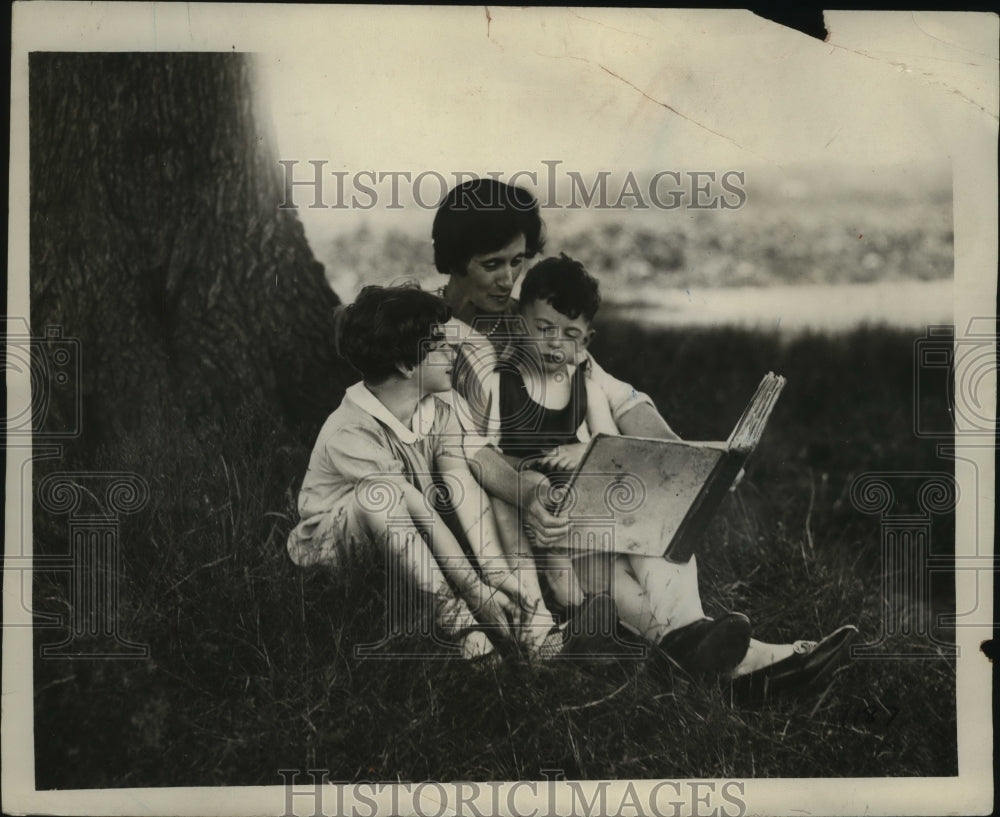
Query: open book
(656, 497)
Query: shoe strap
(803, 647)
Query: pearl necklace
(496, 325)
(489, 332)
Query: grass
(251, 667)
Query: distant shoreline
(790, 308)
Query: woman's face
(489, 280)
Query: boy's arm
(564, 457)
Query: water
(819, 307)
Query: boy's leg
(563, 581)
(556, 567)
(518, 550)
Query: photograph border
(140, 27)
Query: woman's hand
(563, 457)
(543, 528)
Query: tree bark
(157, 241)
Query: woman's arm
(642, 420)
(526, 489)
(633, 412)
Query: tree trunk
(157, 241)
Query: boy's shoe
(708, 645)
(812, 661)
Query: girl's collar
(423, 417)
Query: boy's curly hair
(565, 284)
(385, 326)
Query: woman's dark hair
(482, 216)
(385, 326)
(565, 284)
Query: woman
(484, 232)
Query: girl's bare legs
(393, 529)
(476, 517)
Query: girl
(370, 484)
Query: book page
(609, 499)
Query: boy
(548, 411)
(371, 469)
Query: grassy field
(252, 669)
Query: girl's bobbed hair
(388, 326)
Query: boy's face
(433, 373)
(558, 339)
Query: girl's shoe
(551, 646)
(812, 661)
(541, 637)
(475, 646)
(708, 645)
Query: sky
(469, 87)
(548, 92)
